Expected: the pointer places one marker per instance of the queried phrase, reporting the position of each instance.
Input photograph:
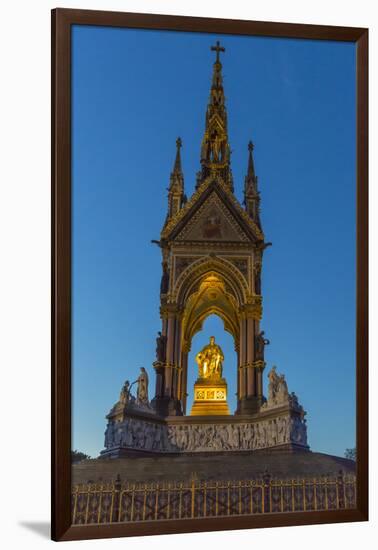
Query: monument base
(131, 432)
(210, 398)
(216, 466)
(136, 428)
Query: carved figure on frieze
(260, 343)
(150, 434)
(245, 436)
(273, 433)
(235, 436)
(118, 436)
(225, 438)
(156, 444)
(183, 437)
(259, 436)
(140, 435)
(196, 437)
(207, 437)
(281, 424)
(128, 438)
(254, 438)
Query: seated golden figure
(209, 361)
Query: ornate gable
(212, 222)
(213, 200)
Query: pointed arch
(191, 278)
(211, 297)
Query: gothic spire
(215, 149)
(251, 193)
(176, 196)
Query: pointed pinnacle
(177, 166)
(251, 167)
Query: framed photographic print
(209, 266)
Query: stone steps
(279, 464)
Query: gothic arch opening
(213, 325)
(211, 295)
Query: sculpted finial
(217, 48)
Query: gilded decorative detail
(210, 361)
(94, 503)
(208, 263)
(253, 365)
(210, 297)
(210, 395)
(259, 364)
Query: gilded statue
(210, 360)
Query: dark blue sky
(134, 92)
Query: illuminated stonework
(210, 390)
(212, 249)
(210, 398)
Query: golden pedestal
(210, 397)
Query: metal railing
(129, 502)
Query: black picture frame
(62, 21)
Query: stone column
(238, 374)
(249, 400)
(159, 384)
(251, 389)
(176, 363)
(242, 360)
(184, 380)
(259, 373)
(170, 355)
(167, 400)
